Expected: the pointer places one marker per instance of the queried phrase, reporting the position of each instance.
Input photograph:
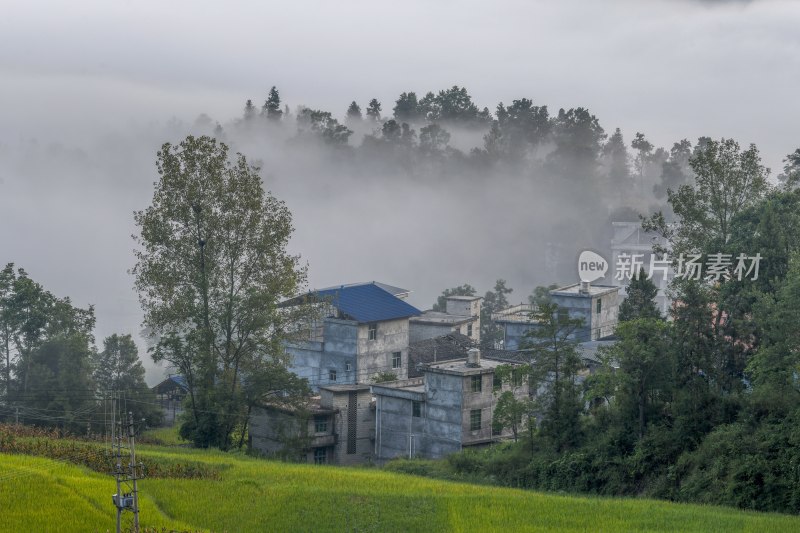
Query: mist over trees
(444, 144)
(701, 405)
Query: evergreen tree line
(702, 405)
(416, 136)
(52, 372)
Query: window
(331, 375)
(476, 383)
(416, 409)
(469, 330)
(372, 332)
(497, 383)
(348, 367)
(516, 377)
(475, 420)
(320, 456)
(599, 305)
(320, 424)
(397, 359)
(563, 314)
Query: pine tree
(249, 110)
(272, 107)
(640, 302)
(354, 112)
(374, 110)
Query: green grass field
(38, 494)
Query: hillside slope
(39, 494)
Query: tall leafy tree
(433, 140)
(791, 170)
(675, 171)
(616, 162)
(406, 108)
(322, 125)
(519, 129)
(644, 151)
(728, 180)
(117, 367)
(455, 106)
(46, 343)
(211, 267)
(512, 410)
(578, 139)
(644, 375)
(59, 390)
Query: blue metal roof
(180, 381)
(367, 303)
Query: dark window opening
(476, 383)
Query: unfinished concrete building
(631, 241)
(363, 331)
(462, 315)
(596, 305)
(450, 407)
(337, 427)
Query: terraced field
(246, 494)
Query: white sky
(81, 72)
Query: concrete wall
(483, 400)
(375, 356)
(271, 430)
(346, 348)
(363, 428)
(419, 332)
(394, 424)
(605, 323)
(596, 326)
(514, 333)
(314, 360)
(579, 307)
(444, 396)
(467, 308)
(445, 424)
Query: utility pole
(133, 474)
(127, 496)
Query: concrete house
(462, 315)
(170, 394)
(631, 241)
(442, 348)
(337, 427)
(450, 407)
(363, 331)
(596, 305)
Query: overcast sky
(80, 73)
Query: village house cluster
(390, 380)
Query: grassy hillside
(38, 494)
